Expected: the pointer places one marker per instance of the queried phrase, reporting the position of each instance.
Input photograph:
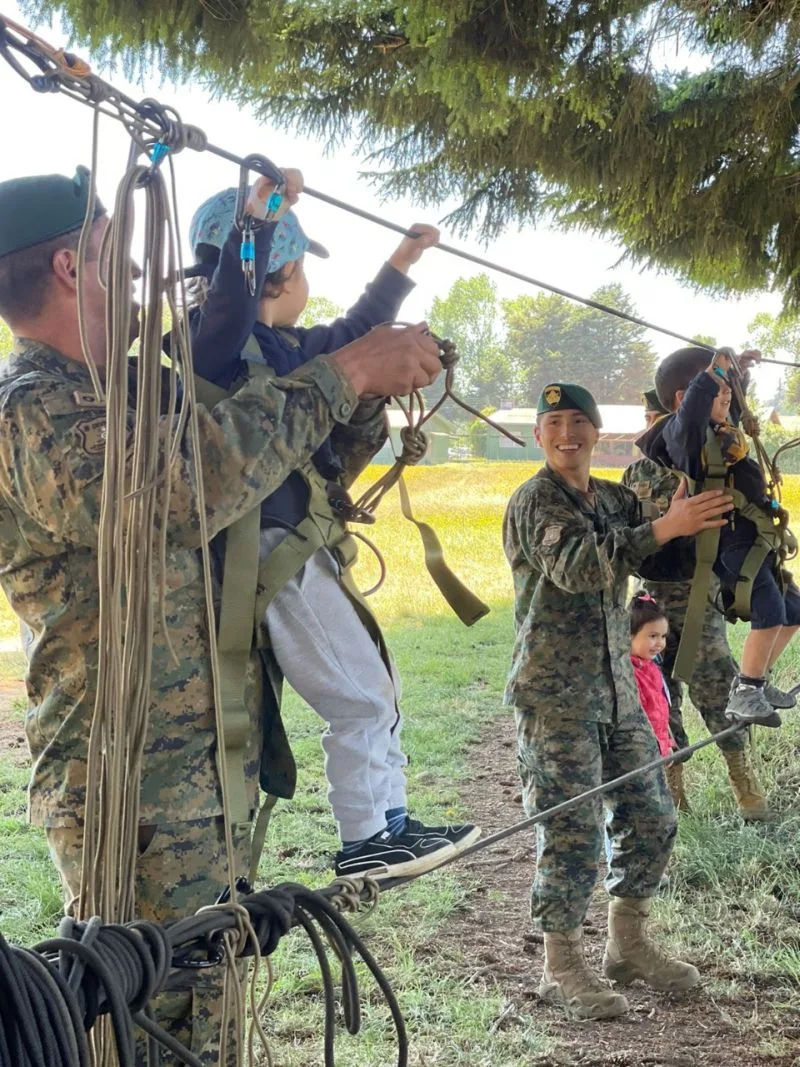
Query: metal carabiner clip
(246, 222)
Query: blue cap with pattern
(214, 218)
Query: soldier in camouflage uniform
(572, 542)
(52, 444)
(669, 582)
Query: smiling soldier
(572, 542)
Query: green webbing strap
(235, 637)
(744, 582)
(234, 645)
(260, 834)
(462, 600)
(706, 546)
(319, 528)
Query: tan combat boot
(751, 801)
(675, 783)
(570, 982)
(631, 954)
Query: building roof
(618, 419)
(788, 422)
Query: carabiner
(246, 222)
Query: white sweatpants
(327, 655)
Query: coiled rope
(53, 994)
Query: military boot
(631, 954)
(675, 783)
(570, 982)
(751, 801)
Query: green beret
(564, 396)
(652, 403)
(40, 208)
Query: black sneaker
(461, 835)
(394, 855)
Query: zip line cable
(64, 72)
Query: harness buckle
(342, 506)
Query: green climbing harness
(773, 536)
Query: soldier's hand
(689, 515)
(391, 361)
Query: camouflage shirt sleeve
(557, 542)
(356, 442)
(52, 451)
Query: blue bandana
(213, 220)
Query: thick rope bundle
(51, 996)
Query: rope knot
(448, 353)
(750, 424)
(415, 445)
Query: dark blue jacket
(678, 440)
(223, 324)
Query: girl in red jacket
(649, 629)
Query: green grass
(734, 901)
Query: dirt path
(691, 1031)
(12, 733)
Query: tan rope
(132, 559)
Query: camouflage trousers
(560, 758)
(714, 671)
(182, 867)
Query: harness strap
(770, 538)
(706, 547)
(462, 600)
(235, 637)
(321, 527)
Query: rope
(572, 802)
(56, 992)
(413, 439)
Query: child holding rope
(324, 639)
(698, 395)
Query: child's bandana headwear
(213, 220)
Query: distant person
(649, 630)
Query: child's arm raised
(380, 302)
(685, 431)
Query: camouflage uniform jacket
(52, 443)
(654, 486)
(570, 563)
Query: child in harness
(701, 439)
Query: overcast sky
(50, 133)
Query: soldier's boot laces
(631, 954)
(752, 802)
(676, 787)
(570, 982)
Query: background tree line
(511, 348)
